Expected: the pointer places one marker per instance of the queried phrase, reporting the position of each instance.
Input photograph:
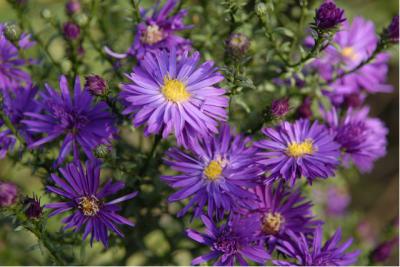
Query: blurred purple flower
(304, 253)
(238, 44)
(8, 194)
(71, 30)
(83, 196)
(393, 30)
(171, 95)
(328, 15)
(280, 107)
(383, 251)
(7, 142)
(72, 7)
(363, 139)
(304, 111)
(83, 122)
(337, 201)
(230, 243)
(215, 174)
(298, 149)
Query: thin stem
(150, 156)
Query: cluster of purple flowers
(246, 192)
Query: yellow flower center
(213, 170)
(348, 52)
(89, 205)
(300, 149)
(153, 34)
(271, 223)
(174, 90)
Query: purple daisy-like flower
(362, 139)
(215, 174)
(76, 117)
(86, 199)
(175, 95)
(298, 149)
(230, 243)
(158, 31)
(280, 210)
(11, 73)
(306, 253)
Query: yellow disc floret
(174, 90)
(300, 149)
(348, 52)
(213, 170)
(271, 223)
(89, 205)
(152, 35)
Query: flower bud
(12, 33)
(96, 85)
(32, 207)
(102, 151)
(238, 44)
(8, 194)
(72, 7)
(261, 9)
(393, 30)
(383, 251)
(46, 13)
(71, 30)
(280, 107)
(328, 15)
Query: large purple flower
(158, 31)
(354, 43)
(11, 73)
(86, 199)
(279, 211)
(306, 253)
(363, 139)
(175, 95)
(78, 118)
(299, 149)
(215, 174)
(230, 243)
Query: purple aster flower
(76, 117)
(11, 73)
(393, 30)
(280, 107)
(71, 30)
(298, 149)
(8, 194)
(306, 253)
(214, 174)
(279, 211)
(158, 31)
(32, 207)
(230, 243)
(363, 139)
(238, 44)
(175, 95)
(383, 251)
(86, 200)
(328, 15)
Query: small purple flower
(8, 194)
(298, 149)
(72, 7)
(363, 139)
(328, 15)
(77, 117)
(232, 243)
(280, 210)
(173, 95)
(306, 253)
(96, 85)
(238, 44)
(393, 30)
(71, 30)
(12, 74)
(32, 207)
(158, 31)
(383, 251)
(83, 196)
(215, 174)
(280, 107)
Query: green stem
(150, 156)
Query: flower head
(32, 207)
(313, 253)
(298, 149)
(71, 30)
(238, 44)
(230, 243)
(175, 95)
(82, 122)
(8, 194)
(214, 174)
(86, 199)
(96, 85)
(363, 139)
(328, 15)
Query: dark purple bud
(238, 44)
(96, 85)
(32, 207)
(328, 15)
(8, 194)
(383, 251)
(393, 30)
(280, 107)
(71, 30)
(304, 111)
(72, 7)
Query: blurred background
(370, 201)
